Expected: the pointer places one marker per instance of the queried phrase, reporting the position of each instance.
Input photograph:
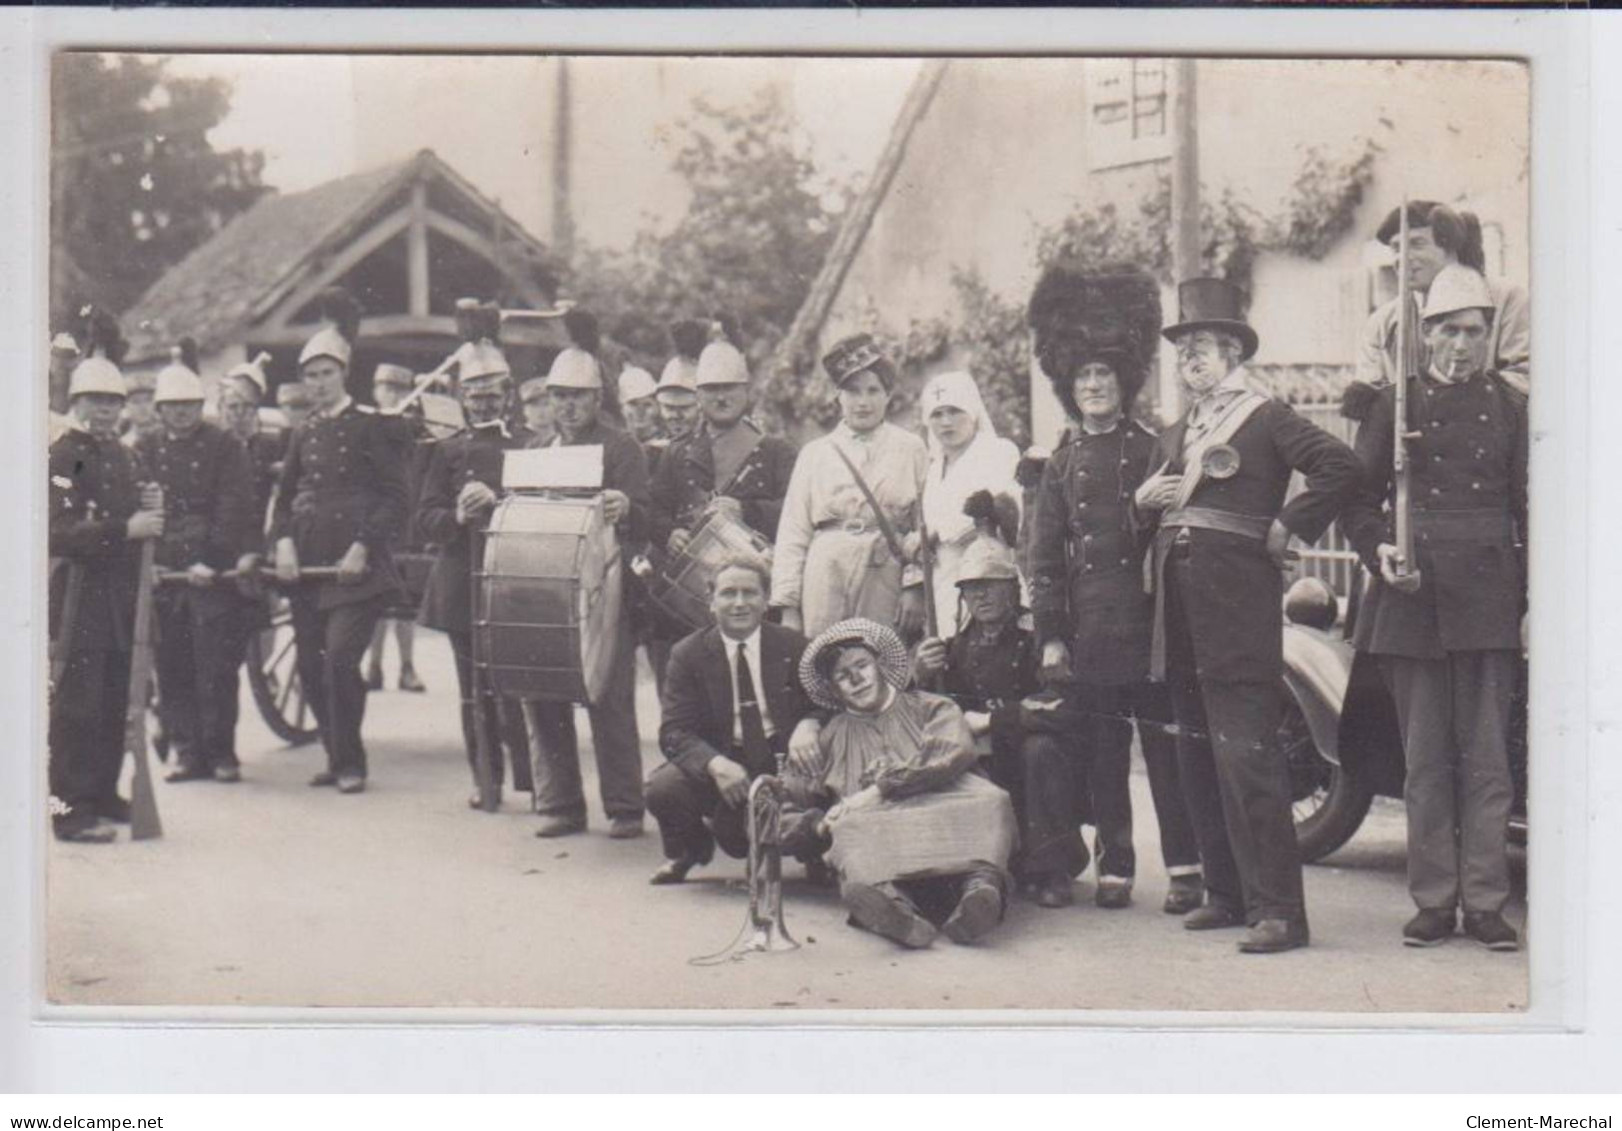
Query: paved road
(270, 893)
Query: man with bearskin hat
(1221, 544)
(576, 388)
(210, 526)
(1095, 338)
(341, 501)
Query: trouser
(1235, 780)
(693, 816)
(331, 643)
(201, 637)
(87, 735)
(1454, 717)
(936, 897)
(1052, 782)
(558, 790)
(659, 660)
(1106, 729)
(502, 719)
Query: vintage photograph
(804, 535)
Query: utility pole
(1186, 259)
(562, 210)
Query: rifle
(1401, 511)
(144, 822)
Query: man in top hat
(575, 386)
(391, 385)
(341, 500)
(1221, 544)
(202, 623)
(100, 513)
(1095, 339)
(459, 493)
(1446, 627)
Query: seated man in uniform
(920, 842)
(731, 702)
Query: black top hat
(850, 356)
(1212, 304)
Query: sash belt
(1208, 518)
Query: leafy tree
(759, 221)
(136, 185)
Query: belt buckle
(853, 526)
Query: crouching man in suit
(732, 704)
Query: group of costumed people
(946, 651)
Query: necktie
(757, 755)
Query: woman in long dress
(833, 559)
(920, 841)
(965, 455)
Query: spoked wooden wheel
(272, 662)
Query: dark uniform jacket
(344, 481)
(266, 451)
(95, 488)
(208, 497)
(1468, 492)
(1235, 607)
(1086, 554)
(686, 483)
(697, 721)
(625, 469)
(994, 677)
(473, 455)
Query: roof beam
(417, 251)
(339, 265)
(481, 245)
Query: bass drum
(682, 588)
(547, 601)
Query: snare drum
(682, 588)
(547, 601)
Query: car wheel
(1328, 803)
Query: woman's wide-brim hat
(1212, 304)
(894, 663)
(852, 355)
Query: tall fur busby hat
(1110, 315)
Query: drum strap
(879, 517)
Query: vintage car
(1339, 730)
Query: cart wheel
(272, 661)
(1328, 803)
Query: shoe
(1433, 926)
(87, 832)
(374, 680)
(977, 912)
(475, 800)
(351, 783)
(673, 871)
(554, 825)
(227, 774)
(1489, 929)
(1212, 917)
(1055, 891)
(1114, 893)
(185, 772)
(410, 682)
(872, 909)
(114, 809)
(1270, 936)
(625, 828)
(819, 874)
(1184, 895)
(325, 777)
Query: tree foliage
(758, 224)
(136, 183)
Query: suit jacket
(1468, 485)
(208, 497)
(94, 491)
(697, 701)
(1086, 554)
(686, 483)
(1235, 604)
(344, 481)
(473, 455)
